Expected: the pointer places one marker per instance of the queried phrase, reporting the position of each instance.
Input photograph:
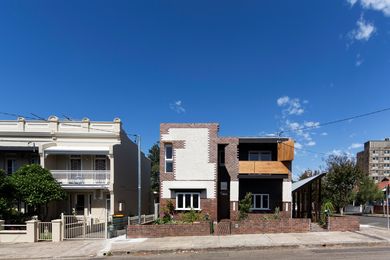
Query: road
(376, 253)
(373, 221)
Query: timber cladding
(286, 150)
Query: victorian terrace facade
(95, 162)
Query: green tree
(6, 195)
(342, 178)
(368, 191)
(154, 156)
(245, 206)
(36, 187)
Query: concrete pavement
(368, 236)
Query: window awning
(77, 150)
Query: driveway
(373, 221)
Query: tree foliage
(307, 174)
(6, 195)
(245, 206)
(368, 191)
(36, 186)
(342, 178)
(154, 156)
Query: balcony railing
(262, 167)
(82, 177)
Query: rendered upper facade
(202, 171)
(374, 160)
(95, 162)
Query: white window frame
(168, 160)
(184, 200)
(100, 157)
(259, 153)
(254, 198)
(13, 166)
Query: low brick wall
(169, 230)
(260, 226)
(343, 223)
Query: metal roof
(299, 184)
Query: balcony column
(111, 187)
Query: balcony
(262, 167)
(82, 178)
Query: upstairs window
(168, 158)
(10, 166)
(75, 162)
(100, 163)
(260, 156)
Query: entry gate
(82, 227)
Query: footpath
(86, 249)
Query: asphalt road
(374, 221)
(376, 253)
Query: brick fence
(343, 223)
(169, 230)
(260, 226)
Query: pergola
(306, 198)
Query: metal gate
(44, 231)
(82, 227)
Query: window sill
(187, 209)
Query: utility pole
(139, 178)
(387, 206)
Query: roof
(383, 184)
(299, 184)
(261, 139)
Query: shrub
(245, 206)
(192, 216)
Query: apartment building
(202, 171)
(374, 160)
(95, 162)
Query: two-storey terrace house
(202, 171)
(95, 162)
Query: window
(387, 158)
(259, 156)
(168, 158)
(188, 200)
(10, 166)
(260, 201)
(100, 162)
(75, 162)
(221, 158)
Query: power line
(335, 121)
(304, 149)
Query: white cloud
(352, 2)
(377, 5)
(293, 105)
(282, 100)
(355, 146)
(177, 106)
(359, 60)
(311, 143)
(298, 145)
(364, 30)
(324, 134)
(311, 124)
(338, 152)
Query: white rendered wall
(234, 191)
(287, 196)
(167, 186)
(192, 163)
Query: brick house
(203, 171)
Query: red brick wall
(169, 230)
(343, 223)
(260, 226)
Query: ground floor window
(187, 200)
(260, 201)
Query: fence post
(143, 216)
(1, 224)
(84, 226)
(106, 226)
(31, 228)
(56, 230)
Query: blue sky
(256, 67)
